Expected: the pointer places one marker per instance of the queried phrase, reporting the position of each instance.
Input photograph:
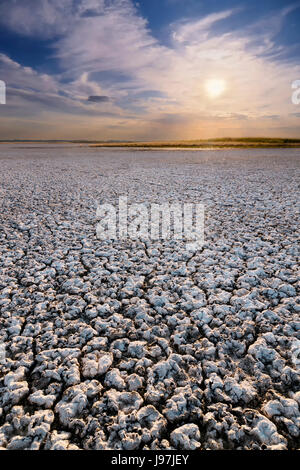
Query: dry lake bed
(138, 344)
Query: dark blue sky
(161, 14)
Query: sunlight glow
(215, 87)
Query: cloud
(50, 17)
(46, 21)
(194, 31)
(31, 94)
(98, 99)
(17, 75)
(273, 117)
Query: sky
(149, 70)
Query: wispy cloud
(194, 31)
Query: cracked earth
(137, 344)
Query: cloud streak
(98, 99)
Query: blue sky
(153, 69)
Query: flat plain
(138, 344)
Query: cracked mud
(138, 344)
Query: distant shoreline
(227, 143)
(228, 146)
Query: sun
(215, 87)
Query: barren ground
(139, 345)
